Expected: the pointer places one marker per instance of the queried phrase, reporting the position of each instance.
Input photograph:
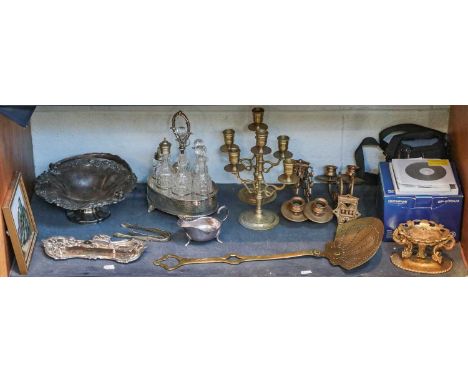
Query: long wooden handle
(230, 258)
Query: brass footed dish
(417, 236)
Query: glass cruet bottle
(156, 161)
(202, 184)
(182, 185)
(163, 171)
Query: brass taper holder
(348, 177)
(257, 189)
(228, 140)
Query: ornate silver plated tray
(100, 247)
(85, 184)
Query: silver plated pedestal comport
(84, 185)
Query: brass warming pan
(356, 242)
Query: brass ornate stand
(257, 189)
(417, 236)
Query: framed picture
(20, 223)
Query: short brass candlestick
(259, 219)
(330, 177)
(349, 177)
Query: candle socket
(283, 143)
(288, 165)
(330, 171)
(257, 113)
(234, 156)
(318, 211)
(261, 136)
(319, 206)
(296, 204)
(293, 209)
(234, 166)
(351, 169)
(228, 136)
(288, 177)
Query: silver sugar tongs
(134, 232)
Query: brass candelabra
(257, 189)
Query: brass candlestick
(330, 177)
(349, 177)
(257, 188)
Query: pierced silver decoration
(100, 247)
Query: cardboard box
(396, 209)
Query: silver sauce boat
(204, 228)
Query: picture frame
(20, 223)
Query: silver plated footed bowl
(86, 184)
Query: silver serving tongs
(134, 232)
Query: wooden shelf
(16, 154)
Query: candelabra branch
(249, 161)
(245, 183)
(272, 165)
(276, 188)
